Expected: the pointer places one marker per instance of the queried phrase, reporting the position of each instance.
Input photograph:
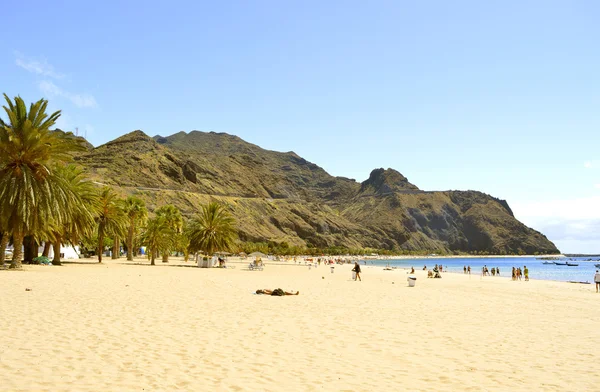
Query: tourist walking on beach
(469, 269)
(356, 269)
(597, 280)
(526, 271)
(514, 273)
(464, 269)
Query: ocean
(582, 273)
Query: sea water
(582, 273)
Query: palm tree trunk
(47, 246)
(130, 244)
(30, 249)
(165, 257)
(56, 248)
(18, 244)
(3, 245)
(153, 252)
(100, 247)
(116, 249)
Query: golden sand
(124, 327)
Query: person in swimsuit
(526, 272)
(270, 292)
(357, 270)
(597, 280)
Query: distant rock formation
(382, 182)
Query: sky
(497, 96)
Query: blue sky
(497, 96)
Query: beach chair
(256, 265)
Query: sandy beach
(129, 327)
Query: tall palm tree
(111, 219)
(31, 193)
(174, 221)
(182, 242)
(81, 222)
(212, 229)
(157, 236)
(137, 214)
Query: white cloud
(580, 208)
(572, 224)
(39, 67)
(592, 164)
(79, 100)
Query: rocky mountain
(279, 197)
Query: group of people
(435, 273)
(517, 273)
(440, 268)
(485, 271)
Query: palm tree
(158, 237)
(211, 230)
(111, 218)
(31, 193)
(174, 221)
(81, 222)
(137, 214)
(182, 242)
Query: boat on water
(558, 263)
(597, 265)
(548, 262)
(572, 264)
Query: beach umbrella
(257, 254)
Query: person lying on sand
(275, 292)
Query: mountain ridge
(281, 197)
